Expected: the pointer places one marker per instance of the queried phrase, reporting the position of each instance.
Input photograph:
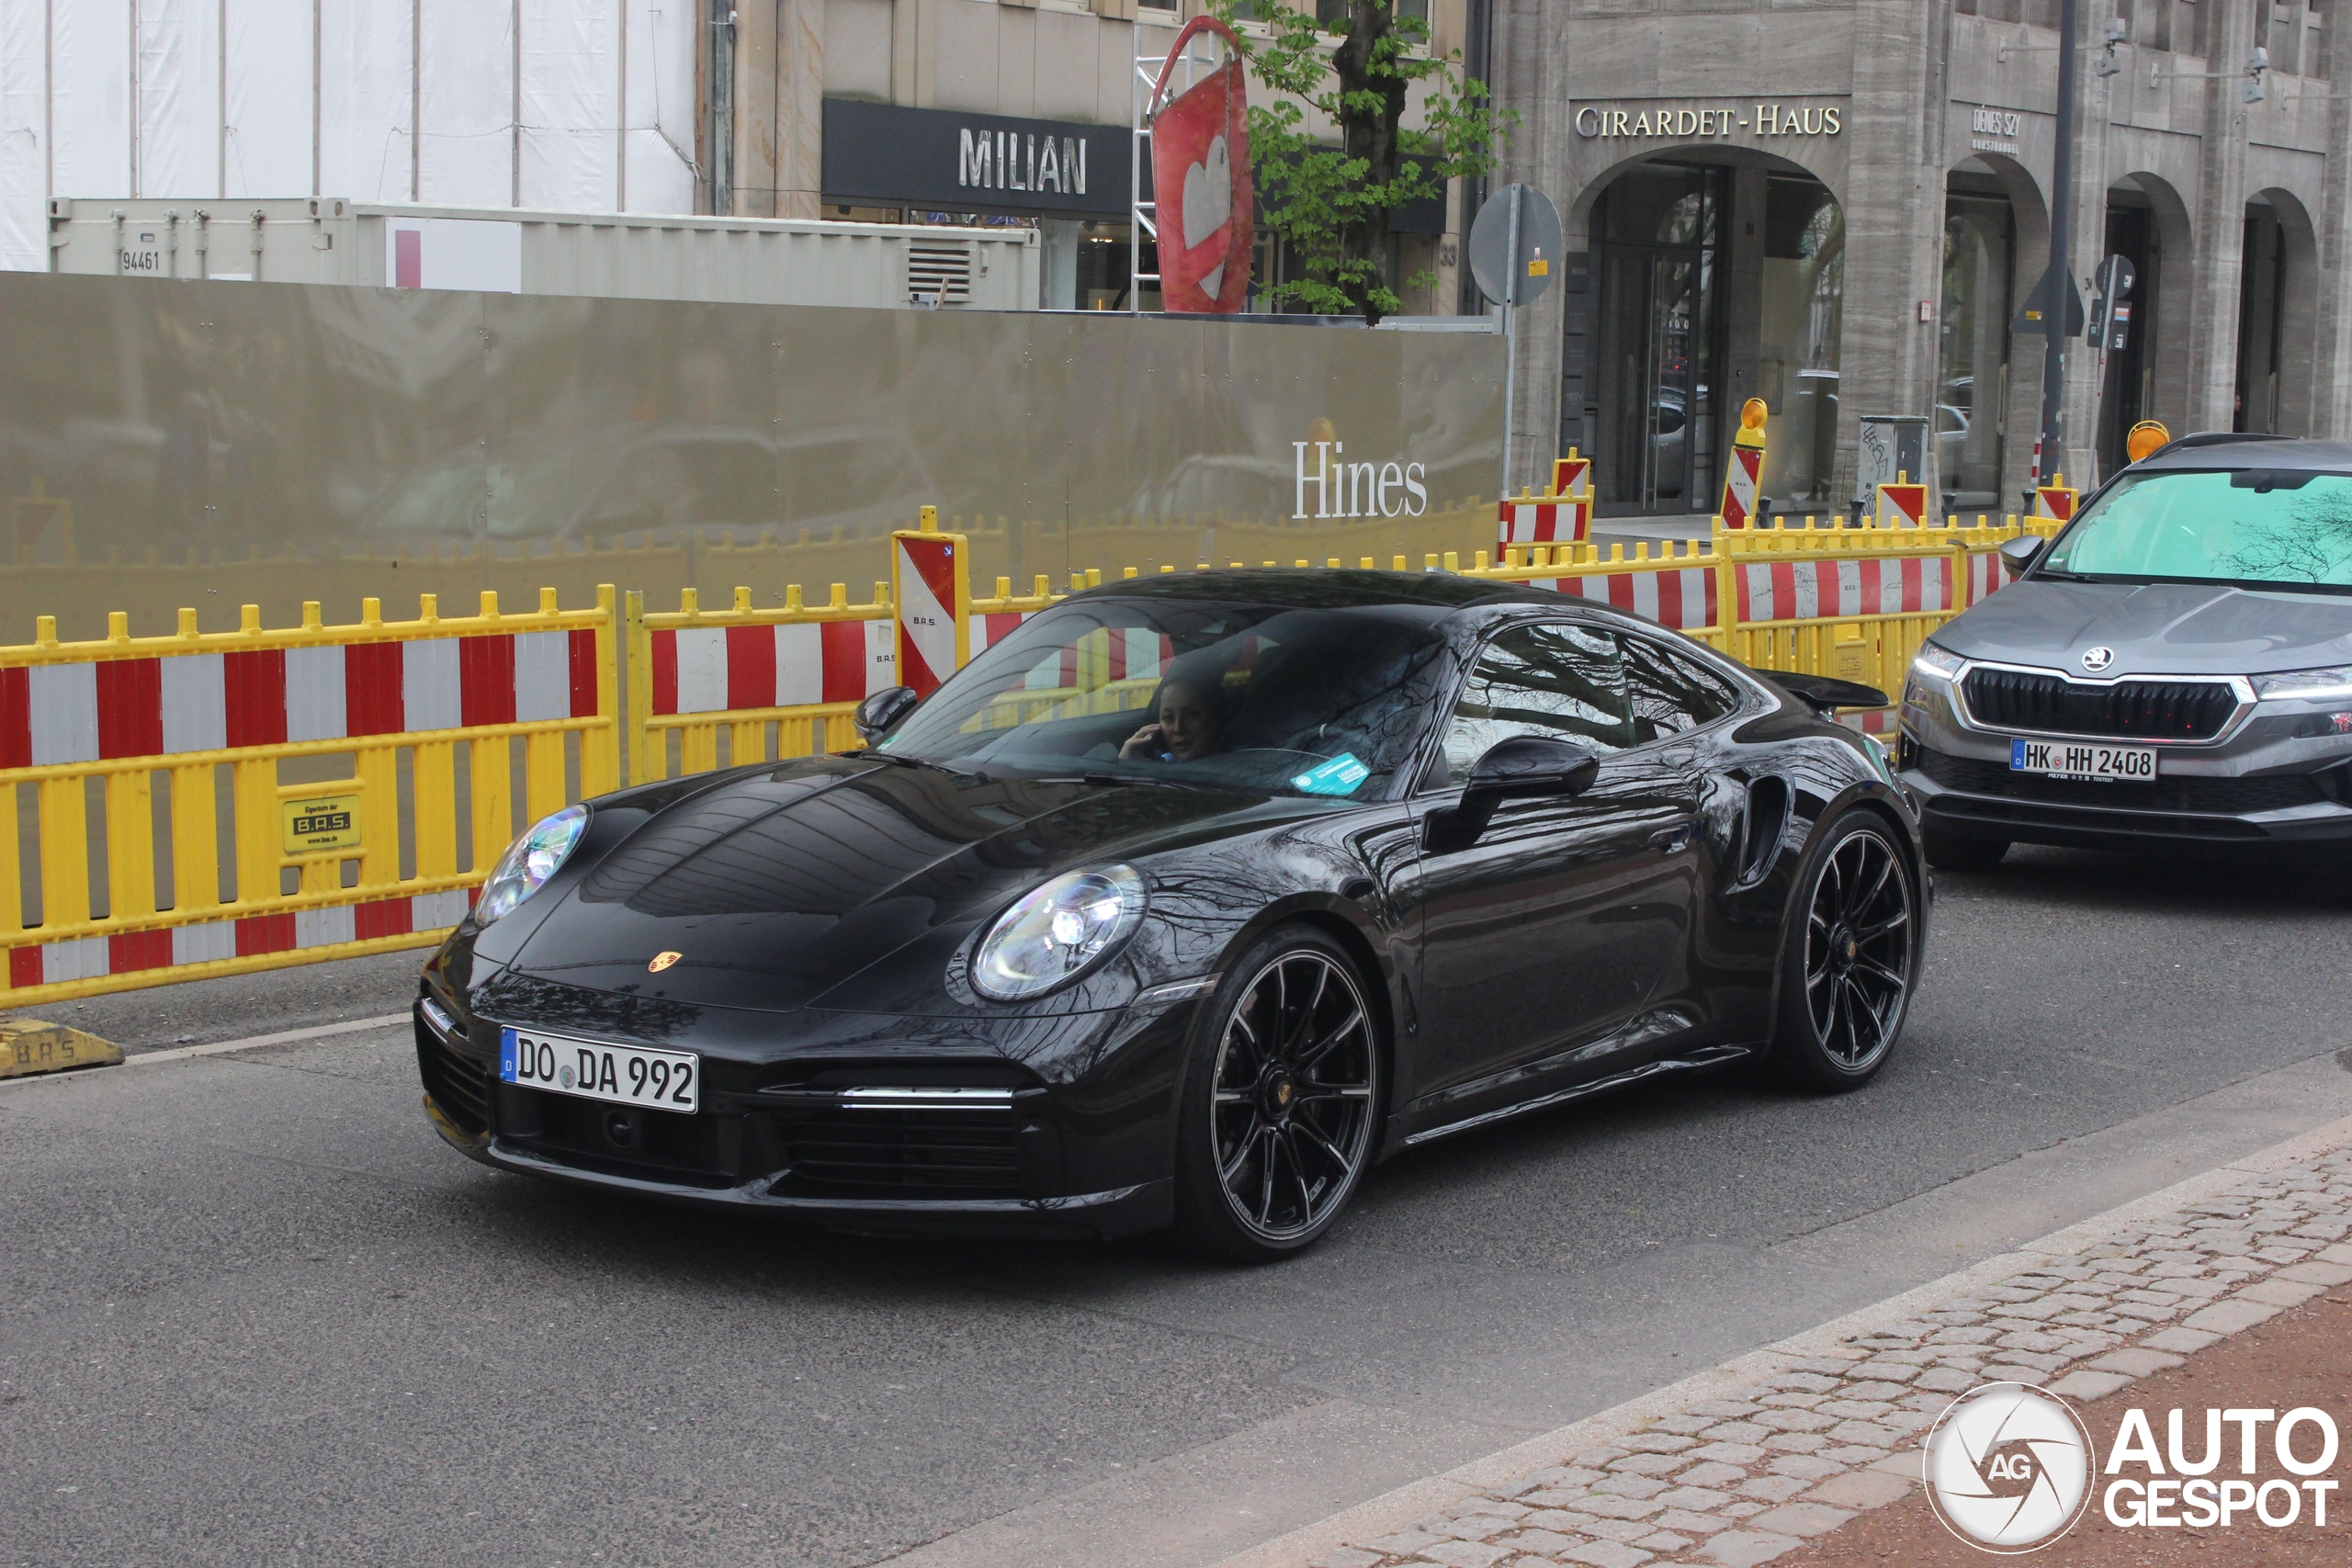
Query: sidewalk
(1746, 1463)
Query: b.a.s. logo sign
(1202, 193)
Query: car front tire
(1282, 1100)
(1849, 957)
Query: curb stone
(1739, 1465)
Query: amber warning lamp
(1752, 423)
(2147, 437)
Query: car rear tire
(1282, 1102)
(1948, 851)
(1849, 957)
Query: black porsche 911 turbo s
(1182, 905)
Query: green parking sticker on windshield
(1339, 776)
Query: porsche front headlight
(1058, 933)
(528, 861)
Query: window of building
(1798, 338)
(1972, 349)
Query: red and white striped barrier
(932, 602)
(105, 709)
(1811, 590)
(989, 630)
(94, 958)
(1902, 505)
(1684, 598)
(2056, 501)
(1572, 476)
(712, 669)
(1740, 480)
(1987, 574)
(1555, 520)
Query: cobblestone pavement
(1741, 1479)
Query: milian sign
(1598, 120)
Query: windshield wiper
(900, 760)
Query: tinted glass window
(1287, 699)
(1562, 680)
(1670, 692)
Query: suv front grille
(2216, 797)
(2143, 710)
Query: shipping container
(617, 256)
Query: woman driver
(1191, 723)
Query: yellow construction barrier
(373, 773)
(370, 770)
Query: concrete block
(2136, 1362)
(2185, 1341)
(1746, 1547)
(2089, 1386)
(1621, 1508)
(1773, 1488)
(1801, 1519)
(1860, 1490)
(2279, 1292)
(2231, 1316)
(1606, 1554)
(2326, 1275)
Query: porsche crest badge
(663, 960)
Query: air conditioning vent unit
(940, 273)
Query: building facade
(1844, 206)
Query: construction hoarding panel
(215, 445)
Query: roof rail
(2219, 438)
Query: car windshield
(1316, 702)
(2250, 527)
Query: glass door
(1657, 233)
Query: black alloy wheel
(1282, 1101)
(1851, 956)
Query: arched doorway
(2277, 288)
(1712, 280)
(2147, 225)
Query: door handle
(1668, 840)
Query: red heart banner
(1203, 197)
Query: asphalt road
(254, 1312)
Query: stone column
(2217, 227)
(2086, 247)
(1530, 49)
(2331, 406)
(1893, 207)
(779, 108)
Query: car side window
(1564, 681)
(1669, 691)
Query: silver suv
(2173, 668)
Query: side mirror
(880, 713)
(2020, 553)
(1521, 767)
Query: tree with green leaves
(1332, 204)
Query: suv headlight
(1058, 933)
(528, 861)
(2295, 685)
(1942, 664)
